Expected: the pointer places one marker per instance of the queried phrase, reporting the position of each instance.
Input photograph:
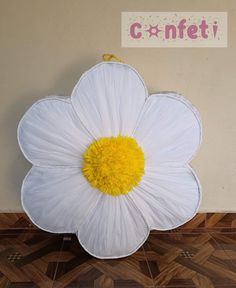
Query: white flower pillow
(110, 163)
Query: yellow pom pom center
(114, 165)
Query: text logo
(174, 29)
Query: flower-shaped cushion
(110, 163)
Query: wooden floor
(201, 254)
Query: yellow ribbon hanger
(111, 57)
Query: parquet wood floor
(201, 254)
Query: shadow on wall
(19, 166)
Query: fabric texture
(110, 100)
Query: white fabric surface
(110, 99)
(113, 227)
(169, 130)
(168, 196)
(51, 134)
(58, 199)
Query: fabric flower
(110, 163)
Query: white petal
(114, 228)
(57, 199)
(169, 130)
(50, 133)
(168, 196)
(108, 99)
